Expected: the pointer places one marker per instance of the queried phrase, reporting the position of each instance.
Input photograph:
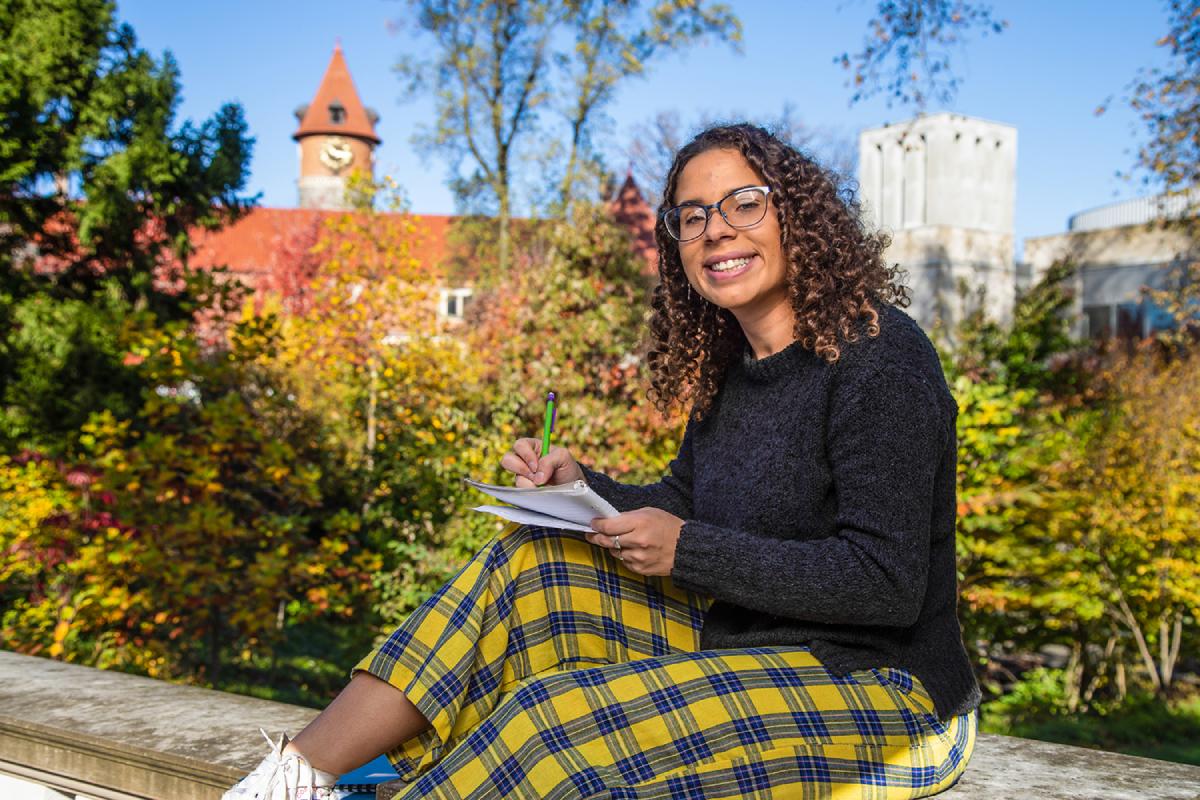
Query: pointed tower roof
(336, 107)
(630, 210)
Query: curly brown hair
(836, 273)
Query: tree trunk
(1101, 669)
(1074, 676)
(372, 428)
(1169, 637)
(568, 182)
(502, 238)
(1143, 648)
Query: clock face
(336, 154)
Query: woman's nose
(717, 228)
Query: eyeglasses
(741, 208)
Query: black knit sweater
(819, 508)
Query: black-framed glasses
(741, 208)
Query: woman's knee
(520, 548)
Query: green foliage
(92, 169)
(1033, 350)
(1077, 491)
(1132, 504)
(66, 360)
(370, 359)
(573, 323)
(308, 668)
(569, 319)
(1011, 429)
(99, 191)
(1143, 725)
(1040, 693)
(1000, 460)
(195, 527)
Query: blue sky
(1046, 74)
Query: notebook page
(574, 502)
(523, 517)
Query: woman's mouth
(729, 268)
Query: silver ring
(617, 542)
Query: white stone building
(944, 187)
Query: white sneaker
(286, 776)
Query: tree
(172, 543)
(655, 142)
(572, 320)
(907, 51)
(1128, 539)
(613, 44)
(499, 64)
(1034, 350)
(1007, 379)
(370, 357)
(1167, 101)
(99, 190)
(89, 154)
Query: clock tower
(336, 137)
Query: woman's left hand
(643, 539)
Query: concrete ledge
(114, 736)
(1007, 768)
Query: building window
(1158, 320)
(454, 303)
(337, 113)
(1129, 321)
(1099, 321)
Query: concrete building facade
(1119, 249)
(944, 187)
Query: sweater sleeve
(886, 435)
(672, 494)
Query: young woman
(776, 617)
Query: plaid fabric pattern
(547, 670)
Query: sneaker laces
(337, 790)
(292, 774)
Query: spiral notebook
(568, 505)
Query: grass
(310, 667)
(1141, 726)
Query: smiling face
(740, 269)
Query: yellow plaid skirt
(548, 670)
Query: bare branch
(907, 51)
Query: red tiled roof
(337, 86)
(257, 245)
(267, 243)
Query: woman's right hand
(557, 466)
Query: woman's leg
(759, 722)
(533, 601)
(368, 717)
